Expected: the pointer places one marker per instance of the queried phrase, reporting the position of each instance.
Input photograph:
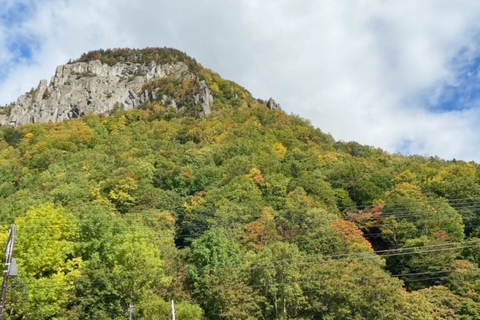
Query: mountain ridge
(102, 81)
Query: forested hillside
(246, 213)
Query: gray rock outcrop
(273, 105)
(80, 88)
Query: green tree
(447, 305)
(276, 274)
(216, 275)
(357, 290)
(48, 265)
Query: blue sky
(464, 93)
(19, 47)
(16, 13)
(400, 75)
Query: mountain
(104, 80)
(138, 177)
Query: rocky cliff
(104, 80)
(93, 86)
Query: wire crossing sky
(400, 75)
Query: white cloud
(361, 70)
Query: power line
(385, 275)
(363, 256)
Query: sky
(399, 75)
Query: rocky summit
(104, 80)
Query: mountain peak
(142, 56)
(102, 81)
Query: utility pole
(11, 269)
(130, 312)
(173, 310)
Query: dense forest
(247, 213)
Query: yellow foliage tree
(279, 150)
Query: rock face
(83, 87)
(273, 105)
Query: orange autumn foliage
(351, 234)
(256, 176)
(262, 231)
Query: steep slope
(244, 213)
